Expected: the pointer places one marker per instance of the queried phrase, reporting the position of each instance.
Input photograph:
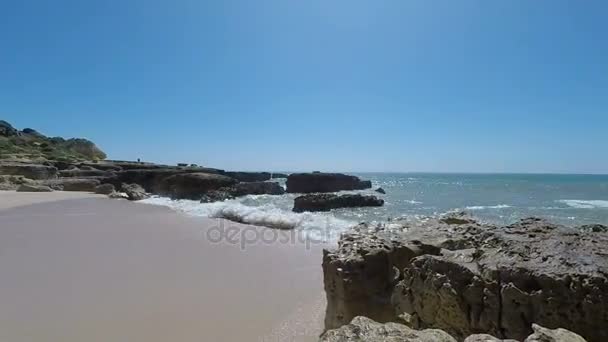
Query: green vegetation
(29, 144)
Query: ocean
(494, 198)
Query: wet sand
(95, 269)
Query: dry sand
(95, 269)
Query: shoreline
(78, 267)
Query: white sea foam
(585, 204)
(484, 207)
(261, 212)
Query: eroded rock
(193, 185)
(33, 188)
(134, 192)
(363, 329)
(465, 277)
(324, 182)
(326, 202)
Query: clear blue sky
(488, 86)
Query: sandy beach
(78, 267)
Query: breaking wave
(261, 212)
(585, 204)
(484, 207)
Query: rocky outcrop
(553, 335)
(249, 176)
(464, 277)
(85, 148)
(193, 185)
(242, 189)
(134, 192)
(257, 188)
(31, 171)
(219, 195)
(151, 178)
(327, 202)
(72, 184)
(12, 182)
(363, 329)
(104, 189)
(33, 188)
(380, 191)
(79, 173)
(324, 182)
(7, 130)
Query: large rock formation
(249, 176)
(73, 184)
(242, 189)
(33, 188)
(193, 185)
(105, 189)
(79, 173)
(257, 188)
(326, 202)
(363, 329)
(7, 130)
(324, 182)
(465, 277)
(31, 171)
(32, 145)
(134, 192)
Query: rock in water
(469, 277)
(380, 191)
(257, 188)
(193, 185)
(33, 188)
(134, 192)
(249, 176)
(326, 202)
(31, 171)
(104, 189)
(324, 182)
(363, 329)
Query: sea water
(494, 198)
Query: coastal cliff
(465, 277)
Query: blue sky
(348, 85)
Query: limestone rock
(323, 182)
(134, 192)
(465, 277)
(257, 188)
(193, 185)
(33, 188)
(249, 176)
(31, 171)
(326, 202)
(553, 335)
(73, 184)
(363, 329)
(104, 189)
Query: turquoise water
(502, 198)
(494, 198)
